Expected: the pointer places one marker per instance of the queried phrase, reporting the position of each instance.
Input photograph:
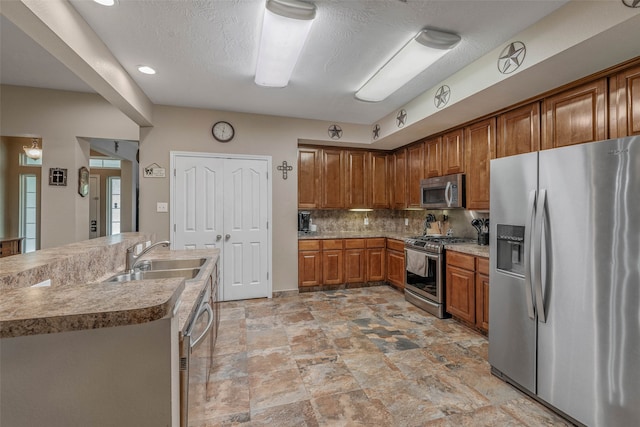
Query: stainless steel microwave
(443, 192)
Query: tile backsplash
(459, 220)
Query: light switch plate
(162, 207)
(406, 221)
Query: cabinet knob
(227, 236)
(218, 237)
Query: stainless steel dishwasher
(196, 349)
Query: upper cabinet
(333, 181)
(480, 145)
(433, 157)
(625, 103)
(309, 167)
(399, 173)
(453, 152)
(379, 180)
(357, 179)
(415, 172)
(575, 116)
(519, 131)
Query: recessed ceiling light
(145, 69)
(106, 2)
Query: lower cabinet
(309, 263)
(395, 263)
(467, 289)
(340, 261)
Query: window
(113, 205)
(28, 161)
(104, 163)
(28, 211)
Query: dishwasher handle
(206, 309)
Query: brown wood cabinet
(395, 263)
(379, 180)
(467, 289)
(480, 145)
(309, 170)
(482, 293)
(399, 186)
(355, 261)
(333, 181)
(625, 103)
(460, 286)
(309, 263)
(358, 179)
(453, 152)
(415, 172)
(433, 157)
(575, 116)
(332, 262)
(376, 260)
(518, 131)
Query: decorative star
(335, 132)
(376, 131)
(401, 118)
(511, 57)
(442, 96)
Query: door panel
(245, 219)
(198, 214)
(94, 206)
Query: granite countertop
(44, 310)
(354, 235)
(469, 248)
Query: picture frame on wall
(57, 176)
(83, 181)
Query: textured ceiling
(204, 51)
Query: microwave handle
(448, 193)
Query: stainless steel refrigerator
(564, 299)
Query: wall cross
(284, 167)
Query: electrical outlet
(366, 221)
(162, 207)
(406, 221)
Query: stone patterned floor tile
(327, 378)
(297, 414)
(271, 359)
(276, 388)
(267, 338)
(351, 409)
(354, 357)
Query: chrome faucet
(132, 259)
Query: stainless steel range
(424, 272)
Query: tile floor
(359, 357)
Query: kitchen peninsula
(76, 349)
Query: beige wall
(63, 120)
(189, 129)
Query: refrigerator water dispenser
(510, 253)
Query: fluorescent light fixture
(145, 69)
(33, 152)
(285, 29)
(105, 2)
(417, 55)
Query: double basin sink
(162, 269)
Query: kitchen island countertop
(52, 309)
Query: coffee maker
(304, 219)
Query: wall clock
(223, 131)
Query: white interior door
(246, 229)
(94, 206)
(221, 202)
(197, 203)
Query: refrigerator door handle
(540, 216)
(448, 194)
(528, 282)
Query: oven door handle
(206, 309)
(448, 193)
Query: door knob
(227, 236)
(218, 237)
